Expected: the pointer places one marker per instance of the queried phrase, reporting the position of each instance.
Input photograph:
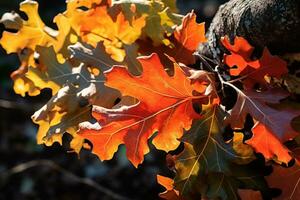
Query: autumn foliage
(124, 73)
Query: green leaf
(208, 166)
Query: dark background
(31, 171)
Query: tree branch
(48, 163)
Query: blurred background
(31, 171)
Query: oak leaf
(204, 152)
(165, 105)
(242, 149)
(70, 105)
(250, 194)
(286, 179)
(23, 84)
(99, 26)
(170, 193)
(99, 58)
(271, 123)
(292, 83)
(92, 56)
(30, 34)
(264, 141)
(253, 71)
(160, 17)
(77, 10)
(184, 41)
(205, 167)
(188, 36)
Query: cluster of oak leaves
(118, 71)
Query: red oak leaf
(165, 105)
(185, 41)
(264, 141)
(170, 193)
(274, 125)
(249, 194)
(188, 37)
(286, 179)
(241, 52)
(253, 71)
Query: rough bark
(271, 23)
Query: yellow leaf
(99, 26)
(30, 34)
(34, 32)
(243, 150)
(160, 18)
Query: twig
(48, 163)
(203, 59)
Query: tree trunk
(271, 23)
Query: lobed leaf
(252, 71)
(160, 97)
(208, 166)
(271, 123)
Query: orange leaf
(254, 71)
(100, 26)
(185, 41)
(274, 125)
(167, 183)
(249, 194)
(241, 52)
(286, 179)
(266, 142)
(188, 36)
(166, 106)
